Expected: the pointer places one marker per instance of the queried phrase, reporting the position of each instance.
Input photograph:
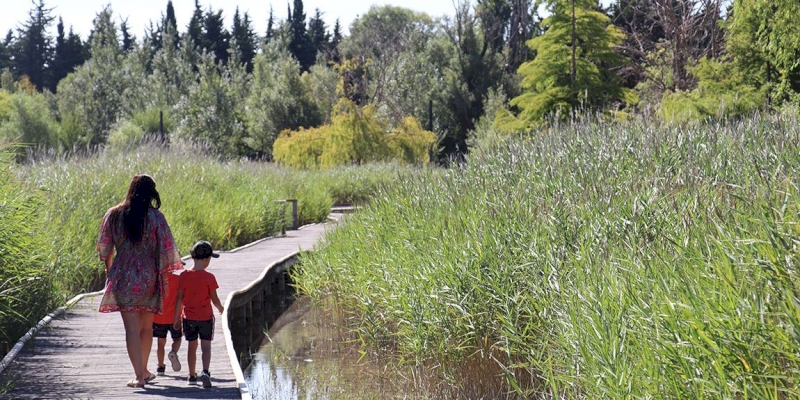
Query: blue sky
(80, 13)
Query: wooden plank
(82, 354)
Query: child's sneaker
(192, 380)
(206, 378)
(161, 369)
(173, 359)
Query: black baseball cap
(203, 249)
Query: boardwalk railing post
(295, 221)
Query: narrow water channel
(307, 357)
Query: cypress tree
(270, 27)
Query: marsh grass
(25, 287)
(624, 260)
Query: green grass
(594, 261)
(228, 203)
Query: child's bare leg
(176, 344)
(205, 347)
(192, 357)
(162, 342)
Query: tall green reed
(25, 286)
(602, 260)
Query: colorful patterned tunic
(134, 280)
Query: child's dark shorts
(160, 331)
(193, 329)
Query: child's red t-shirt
(170, 296)
(197, 287)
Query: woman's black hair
(141, 196)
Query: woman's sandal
(134, 384)
(150, 378)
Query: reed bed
(587, 261)
(60, 202)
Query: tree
(573, 66)
(69, 53)
(195, 29)
(767, 53)
(212, 113)
(128, 41)
(472, 71)
(244, 39)
(333, 54)
(270, 26)
(300, 45)
(664, 37)
(92, 96)
(169, 25)
(318, 33)
(376, 41)
(215, 38)
(32, 51)
(5, 51)
(279, 99)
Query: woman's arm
(109, 260)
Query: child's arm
(215, 300)
(176, 320)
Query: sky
(80, 13)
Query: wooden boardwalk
(81, 354)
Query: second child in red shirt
(197, 290)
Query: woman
(145, 250)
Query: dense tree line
(495, 65)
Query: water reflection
(308, 357)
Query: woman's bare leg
(133, 341)
(146, 337)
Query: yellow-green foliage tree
(301, 148)
(410, 143)
(356, 135)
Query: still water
(306, 356)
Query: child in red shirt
(196, 291)
(163, 323)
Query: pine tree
(69, 53)
(244, 39)
(128, 41)
(333, 54)
(573, 65)
(318, 33)
(300, 45)
(5, 51)
(195, 29)
(216, 39)
(32, 51)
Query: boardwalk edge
(244, 389)
(9, 358)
